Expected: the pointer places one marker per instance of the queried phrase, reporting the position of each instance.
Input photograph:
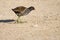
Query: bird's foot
(20, 21)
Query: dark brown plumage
(21, 11)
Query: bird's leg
(18, 20)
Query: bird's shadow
(7, 20)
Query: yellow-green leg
(19, 20)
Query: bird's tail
(12, 9)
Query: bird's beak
(34, 8)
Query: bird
(22, 11)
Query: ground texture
(42, 24)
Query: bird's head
(31, 8)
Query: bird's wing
(20, 8)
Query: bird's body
(21, 10)
(18, 10)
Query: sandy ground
(42, 24)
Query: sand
(42, 24)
